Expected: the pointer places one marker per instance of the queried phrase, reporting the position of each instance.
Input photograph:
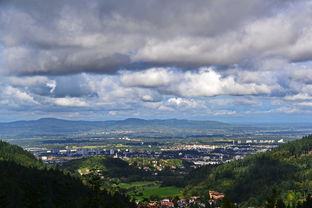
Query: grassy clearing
(161, 192)
(137, 184)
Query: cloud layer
(178, 58)
(160, 92)
(66, 37)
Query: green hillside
(108, 167)
(18, 155)
(250, 181)
(26, 182)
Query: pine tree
(280, 204)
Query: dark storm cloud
(66, 37)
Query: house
(182, 202)
(216, 195)
(153, 205)
(193, 199)
(167, 204)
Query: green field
(144, 189)
(136, 185)
(161, 192)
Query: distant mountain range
(53, 126)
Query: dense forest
(26, 182)
(287, 170)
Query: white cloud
(286, 109)
(165, 108)
(305, 104)
(112, 113)
(184, 103)
(224, 113)
(151, 98)
(52, 85)
(234, 101)
(17, 96)
(207, 82)
(204, 82)
(69, 101)
(300, 96)
(154, 77)
(302, 75)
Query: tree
(271, 200)
(226, 203)
(4, 202)
(154, 197)
(308, 202)
(280, 204)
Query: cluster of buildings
(156, 164)
(259, 141)
(199, 154)
(215, 199)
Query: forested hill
(110, 167)
(26, 182)
(250, 181)
(17, 155)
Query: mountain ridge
(55, 126)
(126, 119)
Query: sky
(232, 61)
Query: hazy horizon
(234, 122)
